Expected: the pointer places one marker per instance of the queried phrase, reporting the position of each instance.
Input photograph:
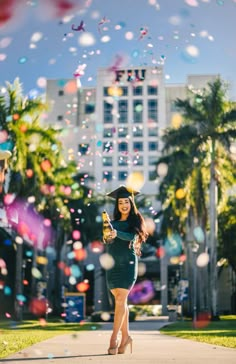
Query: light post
(195, 248)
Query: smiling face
(124, 207)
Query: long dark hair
(136, 223)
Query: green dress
(124, 272)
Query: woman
(128, 234)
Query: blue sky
(186, 36)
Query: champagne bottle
(107, 227)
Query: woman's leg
(120, 295)
(125, 327)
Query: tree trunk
(213, 241)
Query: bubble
(190, 54)
(135, 181)
(82, 286)
(18, 240)
(90, 267)
(75, 271)
(22, 60)
(203, 320)
(96, 247)
(160, 252)
(21, 298)
(150, 226)
(180, 193)
(3, 56)
(105, 39)
(162, 169)
(106, 261)
(176, 120)
(80, 254)
(105, 316)
(41, 260)
(173, 244)
(192, 2)
(135, 53)
(86, 40)
(5, 42)
(42, 82)
(36, 37)
(129, 35)
(199, 234)
(36, 273)
(38, 306)
(72, 280)
(202, 260)
(141, 269)
(2, 263)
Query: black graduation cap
(122, 192)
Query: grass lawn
(222, 332)
(17, 336)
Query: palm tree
(37, 166)
(204, 139)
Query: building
(114, 129)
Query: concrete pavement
(149, 347)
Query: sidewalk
(149, 347)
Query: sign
(74, 307)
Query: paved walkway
(149, 347)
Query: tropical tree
(199, 161)
(40, 183)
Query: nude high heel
(112, 350)
(122, 349)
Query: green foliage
(227, 232)
(37, 165)
(203, 140)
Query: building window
(152, 146)
(123, 161)
(108, 147)
(122, 132)
(152, 90)
(138, 161)
(105, 91)
(138, 146)
(83, 148)
(59, 117)
(123, 147)
(61, 93)
(107, 161)
(137, 111)
(152, 160)
(123, 111)
(107, 132)
(152, 109)
(152, 131)
(122, 175)
(152, 175)
(124, 90)
(89, 108)
(107, 175)
(108, 118)
(138, 91)
(137, 131)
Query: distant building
(115, 128)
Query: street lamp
(195, 248)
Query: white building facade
(114, 129)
